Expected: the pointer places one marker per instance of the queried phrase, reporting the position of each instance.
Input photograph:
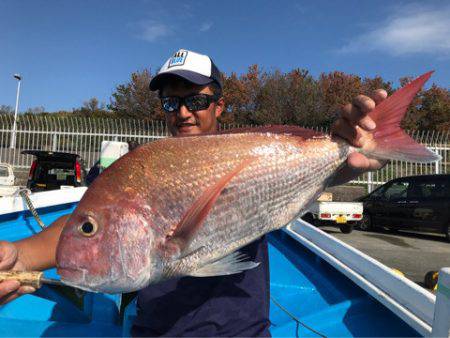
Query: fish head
(106, 248)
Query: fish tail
(390, 142)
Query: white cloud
(152, 30)
(410, 30)
(206, 26)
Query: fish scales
(235, 216)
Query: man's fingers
(8, 287)
(11, 289)
(26, 289)
(379, 95)
(361, 163)
(8, 298)
(355, 116)
(364, 103)
(8, 256)
(344, 129)
(358, 162)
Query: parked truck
(326, 212)
(7, 180)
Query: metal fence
(436, 141)
(78, 135)
(84, 136)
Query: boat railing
(414, 304)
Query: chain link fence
(84, 136)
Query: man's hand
(9, 260)
(354, 125)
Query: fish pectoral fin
(196, 215)
(229, 265)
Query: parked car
(52, 170)
(419, 203)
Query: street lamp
(12, 144)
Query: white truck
(7, 178)
(344, 214)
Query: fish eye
(88, 229)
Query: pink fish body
(185, 206)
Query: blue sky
(70, 51)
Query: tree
(433, 109)
(35, 111)
(236, 99)
(288, 98)
(4, 109)
(135, 100)
(338, 88)
(92, 108)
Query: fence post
(54, 142)
(369, 182)
(437, 163)
(441, 322)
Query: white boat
(320, 286)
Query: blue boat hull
(308, 297)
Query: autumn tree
(337, 89)
(135, 100)
(236, 99)
(436, 104)
(4, 109)
(289, 98)
(35, 110)
(92, 108)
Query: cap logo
(177, 59)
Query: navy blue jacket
(235, 305)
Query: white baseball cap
(191, 66)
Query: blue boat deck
(312, 292)
(309, 298)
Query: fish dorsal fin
(193, 219)
(276, 129)
(300, 132)
(228, 265)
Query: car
(419, 203)
(52, 170)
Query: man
(190, 88)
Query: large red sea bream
(185, 206)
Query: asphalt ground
(414, 254)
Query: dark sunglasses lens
(170, 104)
(197, 102)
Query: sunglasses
(192, 102)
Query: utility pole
(12, 144)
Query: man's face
(185, 122)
